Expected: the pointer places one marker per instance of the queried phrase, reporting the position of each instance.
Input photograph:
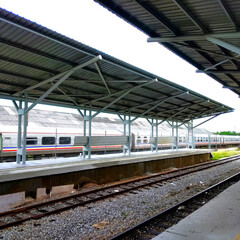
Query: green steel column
(25, 119)
(19, 137)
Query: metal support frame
(172, 134)
(129, 134)
(214, 38)
(209, 141)
(157, 134)
(220, 72)
(154, 146)
(21, 140)
(19, 135)
(124, 131)
(152, 134)
(25, 123)
(102, 77)
(194, 37)
(190, 135)
(206, 120)
(224, 44)
(80, 112)
(87, 118)
(159, 102)
(63, 76)
(177, 136)
(123, 94)
(213, 66)
(89, 134)
(174, 126)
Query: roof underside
(34, 59)
(204, 33)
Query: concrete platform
(219, 219)
(99, 169)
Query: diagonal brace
(126, 92)
(103, 79)
(159, 103)
(61, 80)
(224, 44)
(60, 75)
(206, 120)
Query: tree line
(233, 133)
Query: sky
(93, 25)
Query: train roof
(203, 32)
(38, 120)
(34, 58)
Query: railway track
(38, 210)
(157, 224)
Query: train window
(145, 140)
(48, 140)
(31, 141)
(65, 140)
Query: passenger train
(52, 133)
(48, 144)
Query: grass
(225, 153)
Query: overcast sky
(91, 24)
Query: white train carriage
(48, 141)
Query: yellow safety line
(237, 237)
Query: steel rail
(130, 232)
(90, 196)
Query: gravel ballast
(104, 219)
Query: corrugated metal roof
(30, 54)
(195, 19)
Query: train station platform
(219, 219)
(100, 169)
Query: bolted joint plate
(20, 111)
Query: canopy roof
(47, 67)
(204, 33)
